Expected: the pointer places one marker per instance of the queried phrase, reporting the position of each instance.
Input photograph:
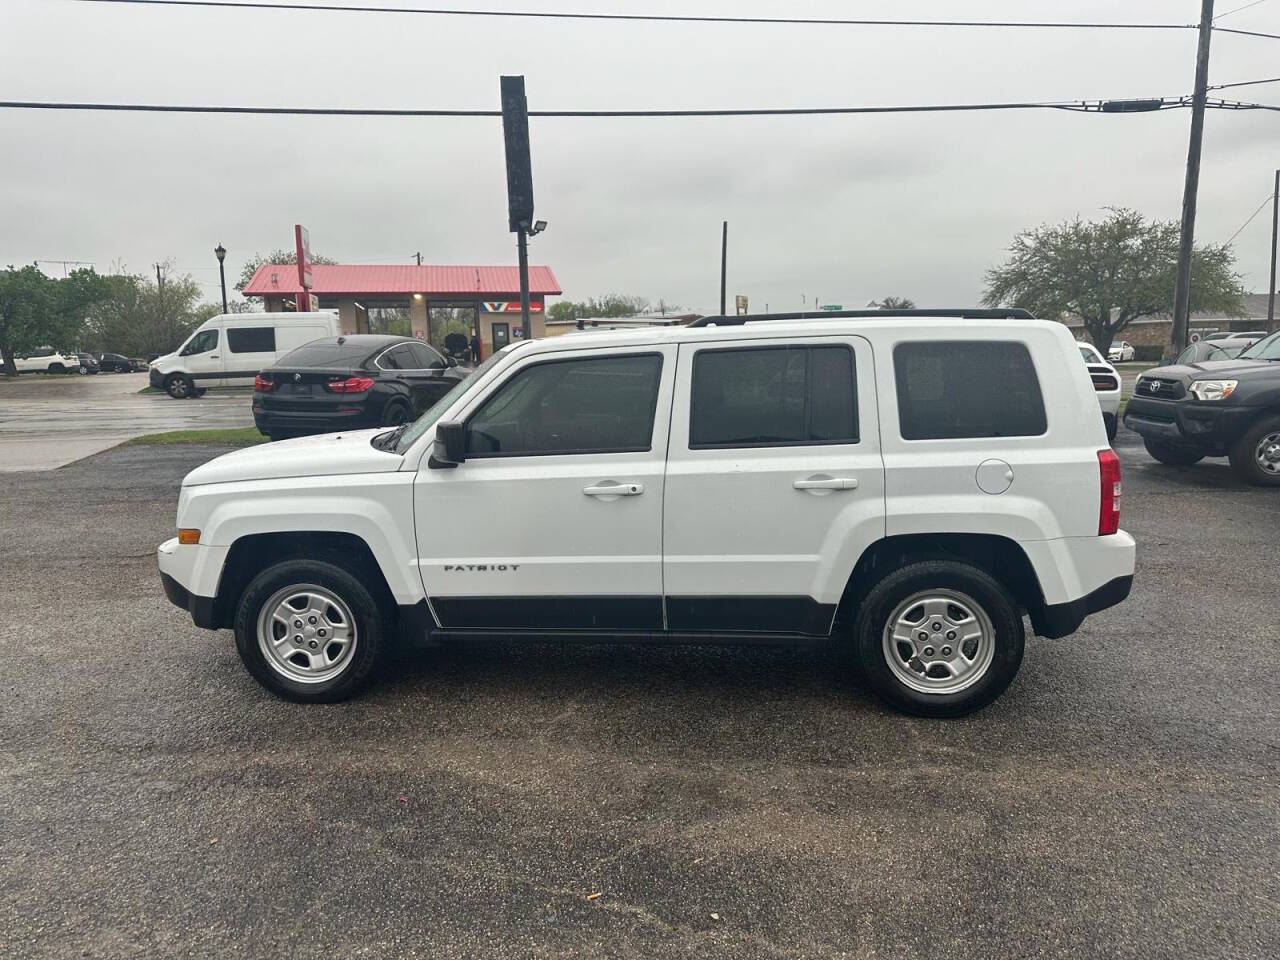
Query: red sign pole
(303, 243)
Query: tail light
(262, 385)
(1109, 504)
(349, 385)
(1103, 381)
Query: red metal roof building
(440, 299)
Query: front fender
(377, 508)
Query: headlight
(1212, 389)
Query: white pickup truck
(908, 487)
(47, 360)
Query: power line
(1076, 106)
(1073, 105)
(650, 17)
(1247, 33)
(1266, 200)
(1243, 83)
(1237, 9)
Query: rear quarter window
(967, 389)
(251, 339)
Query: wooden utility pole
(1182, 288)
(1275, 238)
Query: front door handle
(609, 489)
(823, 482)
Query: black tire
(57, 368)
(370, 623)
(199, 391)
(1173, 455)
(1109, 421)
(956, 578)
(1244, 455)
(394, 414)
(179, 386)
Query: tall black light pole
(724, 261)
(221, 253)
(1275, 236)
(1182, 288)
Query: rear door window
(251, 339)
(957, 389)
(773, 396)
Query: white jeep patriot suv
(908, 486)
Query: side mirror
(450, 446)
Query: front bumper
(156, 378)
(1210, 425)
(189, 574)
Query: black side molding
(200, 608)
(1061, 619)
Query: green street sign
(832, 306)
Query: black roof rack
(964, 313)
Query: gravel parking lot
(1120, 800)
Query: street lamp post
(221, 253)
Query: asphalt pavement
(47, 421)
(1120, 800)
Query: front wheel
(179, 386)
(1170, 454)
(309, 631)
(938, 638)
(1256, 456)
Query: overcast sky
(843, 208)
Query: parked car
(47, 360)
(115, 363)
(1237, 335)
(832, 480)
(228, 350)
(88, 363)
(1212, 350)
(1106, 386)
(1214, 408)
(350, 383)
(1121, 352)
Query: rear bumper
(1204, 425)
(1061, 619)
(305, 418)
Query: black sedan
(349, 383)
(114, 363)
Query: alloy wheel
(939, 641)
(306, 633)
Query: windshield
(425, 422)
(1268, 349)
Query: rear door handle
(825, 483)
(612, 488)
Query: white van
(228, 350)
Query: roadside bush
(1148, 353)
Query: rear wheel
(938, 638)
(1173, 455)
(57, 368)
(1256, 456)
(309, 631)
(394, 414)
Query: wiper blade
(388, 441)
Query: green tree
(25, 297)
(275, 256)
(610, 305)
(894, 303)
(1109, 273)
